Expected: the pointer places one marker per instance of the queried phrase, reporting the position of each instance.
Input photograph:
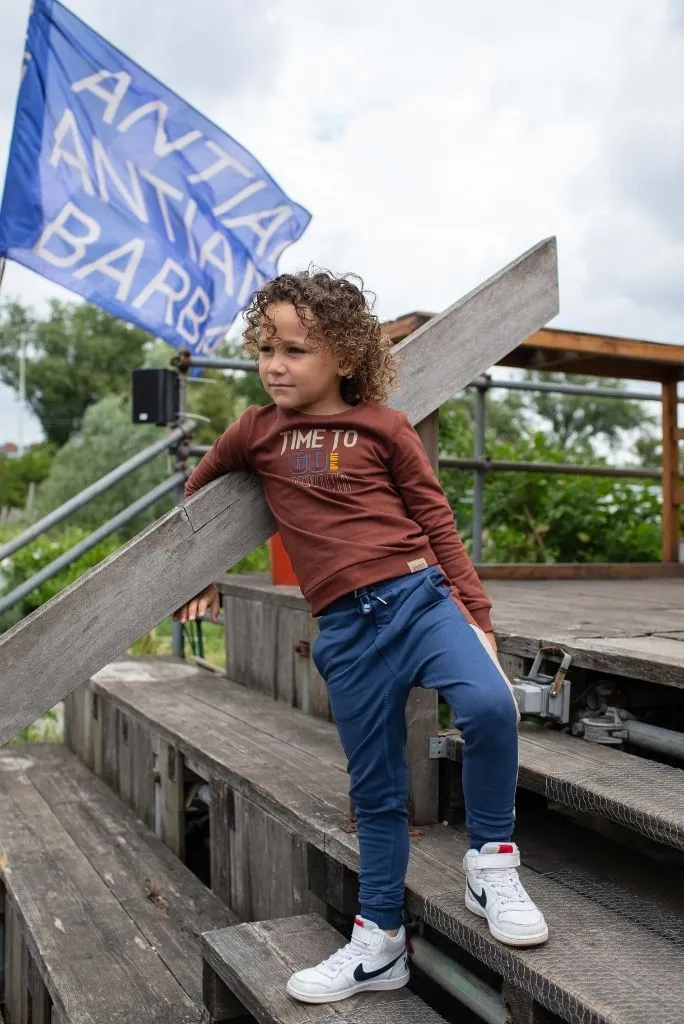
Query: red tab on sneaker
(360, 922)
(506, 848)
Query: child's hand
(195, 609)
(491, 640)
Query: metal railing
(480, 463)
(80, 500)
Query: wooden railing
(64, 642)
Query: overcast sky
(434, 140)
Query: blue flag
(119, 190)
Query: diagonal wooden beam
(64, 642)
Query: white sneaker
(494, 891)
(372, 961)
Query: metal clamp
(559, 679)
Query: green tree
(578, 421)
(75, 357)
(19, 472)
(108, 437)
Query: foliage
(23, 564)
(49, 728)
(17, 472)
(531, 517)
(578, 421)
(108, 437)
(74, 357)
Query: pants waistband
(350, 602)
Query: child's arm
(228, 452)
(426, 503)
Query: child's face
(298, 372)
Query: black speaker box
(155, 396)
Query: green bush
(20, 566)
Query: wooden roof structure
(557, 350)
(597, 355)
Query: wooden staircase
(279, 811)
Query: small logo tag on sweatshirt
(417, 564)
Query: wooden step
(289, 768)
(589, 778)
(254, 962)
(102, 920)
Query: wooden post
(220, 1003)
(672, 492)
(169, 803)
(421, 712)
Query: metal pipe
(249, 365)
(113, 524)
(490, 465)
(550, 387)
(479, 474)
(652, 737)
(97, 488)
(218, 363)
(459, 982)
(177, 631)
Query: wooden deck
(632, 628)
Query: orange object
(281, 567)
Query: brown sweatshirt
(354, 496)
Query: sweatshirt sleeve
(427, 505)
(230, 451)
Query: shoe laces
(506, 884)
(352, 951)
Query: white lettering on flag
(112, 99)
(58, 229)
(133, 249)
(76, 157)
(160, 283)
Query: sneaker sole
(370, 986)
(520, 941)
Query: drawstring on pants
(365, 596)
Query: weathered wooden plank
(228, 603)
(170, 767)
(256, 960)
(74, 926)
(129, 593)
(16, 968)
(124, 759)
(221, 829)
(110, 748)
(142, 769)
(580, 570)
(39, 999)
(310, 692)
(220, 1003)
(286, 643)
(168, 904)
(451, 349)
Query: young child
(373, 542)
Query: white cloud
(435, 140)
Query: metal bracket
(607, 728)
(438, 747)
(546, 696)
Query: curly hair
(338, 314)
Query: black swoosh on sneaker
(481, 899)
(361, 975)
